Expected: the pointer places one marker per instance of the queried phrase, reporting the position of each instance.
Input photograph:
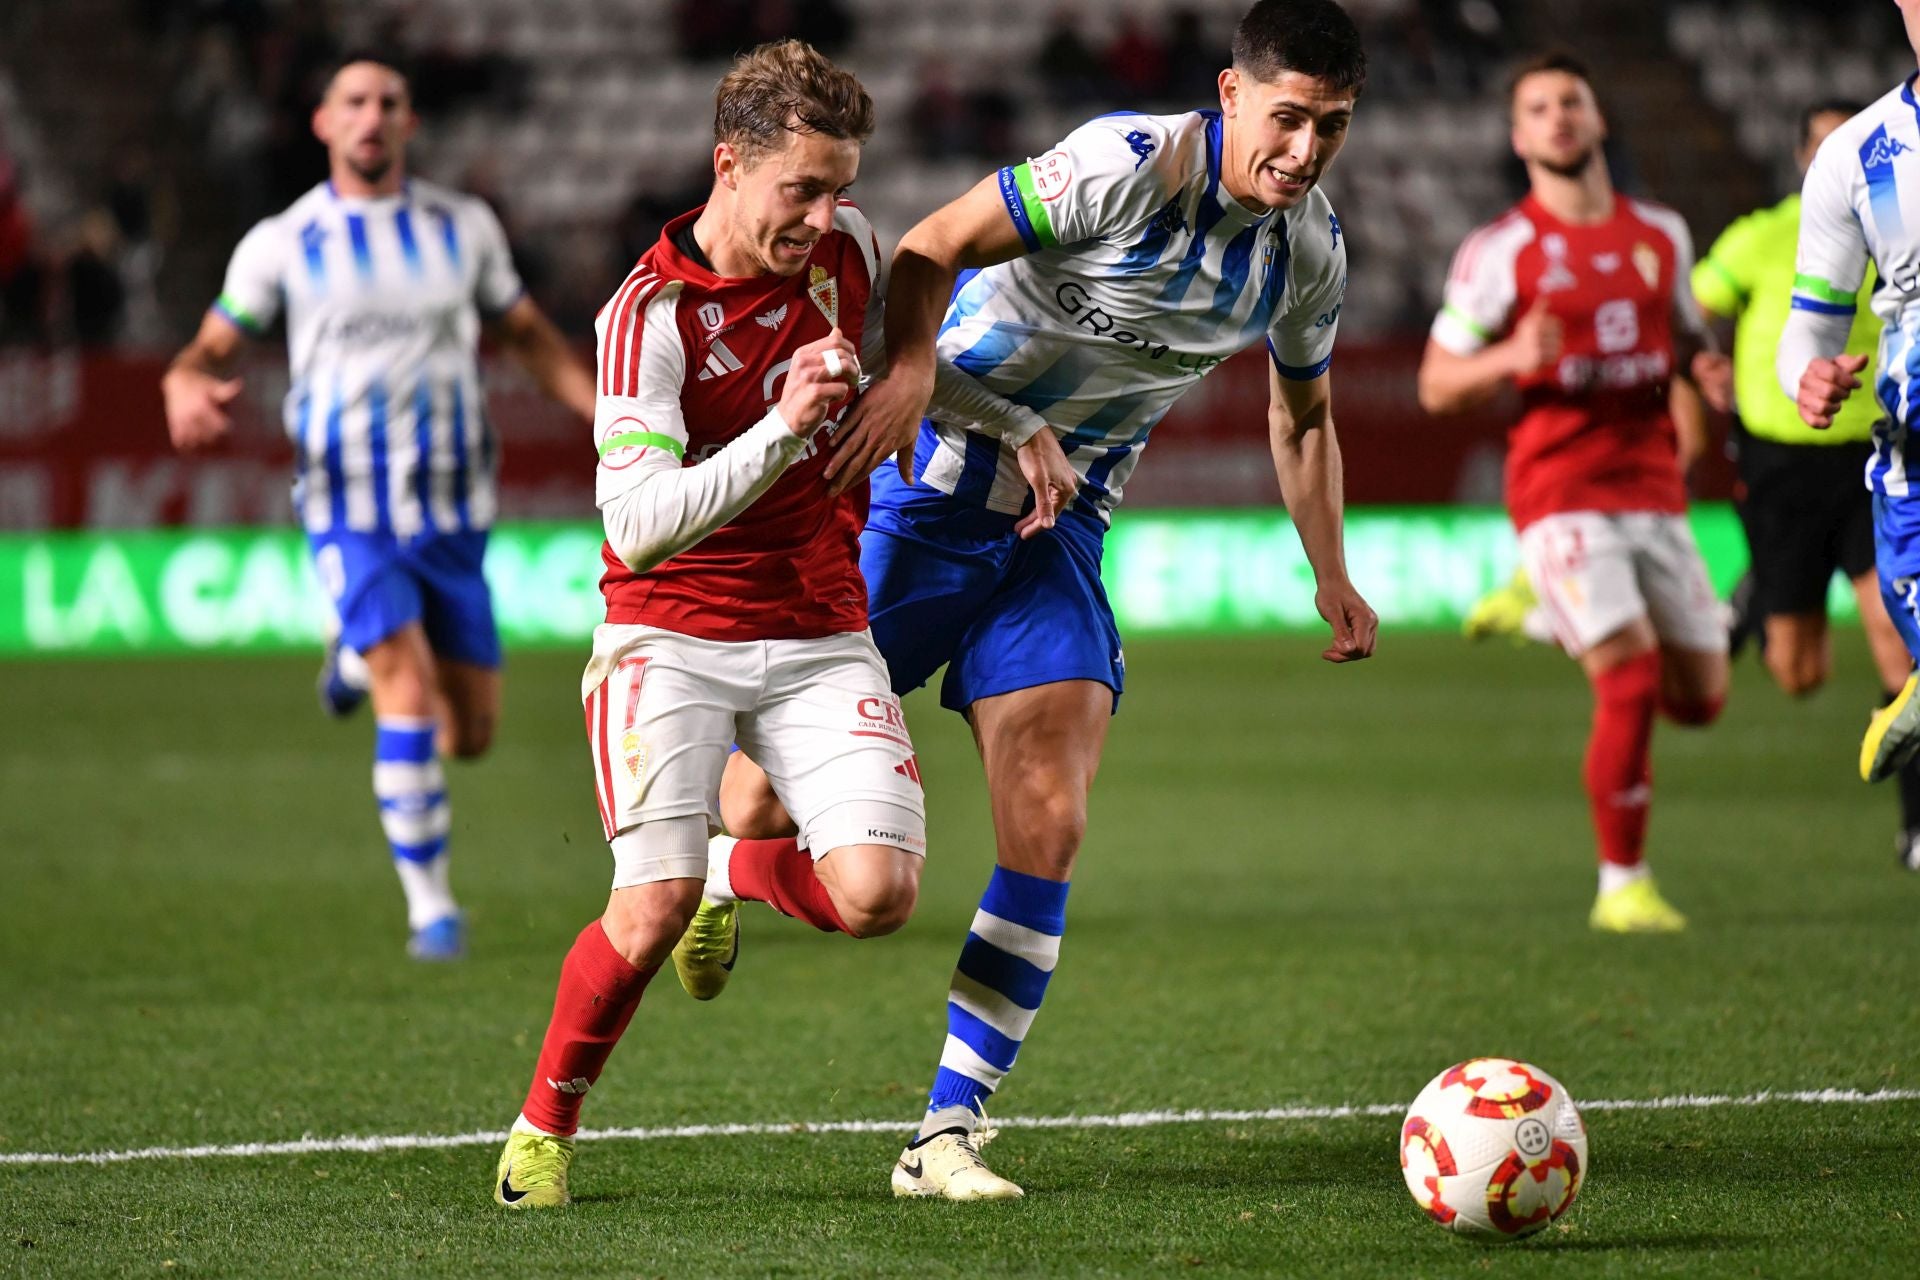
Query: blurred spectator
(1136, 63)
(95, 297)
(654, 203)
(1069, 70)
(1193, 62)
(710, 29)
(21, 280)
(824, 24)
(937, 116)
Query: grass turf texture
(1302, 884)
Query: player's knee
(876, 909)
(645, 921)
(469, 737)
(1051, 821)
(1694, 712)
(1796, 679)
(754, 814)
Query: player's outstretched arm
(524, 330)
(973, 231)
(199, 385)
(1306, 457)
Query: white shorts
(1597, 571)
(819, 716)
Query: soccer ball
(1493, 1148)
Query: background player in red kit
(735, 606)
(1580, 297)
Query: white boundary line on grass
(1125, 1120)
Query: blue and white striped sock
(412, 791)
(1010, 954)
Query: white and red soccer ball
(1493, 1148)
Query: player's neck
(1578, 199)
(709, 232)
(345, 182)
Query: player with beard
(385, 283)
(1579, 296)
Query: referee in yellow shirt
(1806, 509)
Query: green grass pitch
(1303, 885)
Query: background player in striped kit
(1112, 274)
(1805, 511)
(384, 282)
(1860, 207)
(1579, 297)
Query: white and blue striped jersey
(1142, 274)
(383, 299)
(1861, 201)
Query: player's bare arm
(1687, 406)
(973, 231)
(200, 384)
(525, 331)
(1306, 458)
(1450, 383)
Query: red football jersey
(698, 359)
(1596, 434)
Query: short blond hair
(787, 86)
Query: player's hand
(883, 421)
(1355, 626)
(197, 406)
(823, 373)
(1536, 341)
(1053, 480)
(1825, 386)
(1713, 375)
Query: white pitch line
(1126, 1120)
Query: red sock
(598, 993)
(780, 874)
(1619, 780)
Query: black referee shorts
(1807, 512)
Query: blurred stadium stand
(139, 138)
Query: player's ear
(1229, 92)
(726, 166)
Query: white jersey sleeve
(955, 394)
(1477, 305)
(497, 286)
(653, 506)
(252, 295)
(1300, 336)
(1829, 266)
(1107, 177)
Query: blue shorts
(949, 583)
(1896, 549)
(379, 584)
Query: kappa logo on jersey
(720, 362)
(1333, 225)
(1881, 150)
(1142, 143)
(774, 318)
(712, 315)
(825, 292)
